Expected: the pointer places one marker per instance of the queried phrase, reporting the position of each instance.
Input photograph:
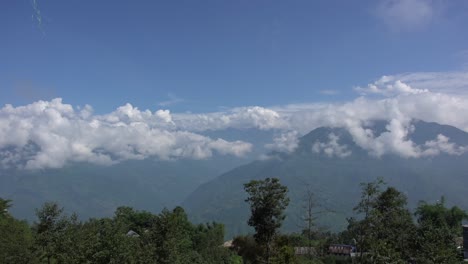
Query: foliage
(438, 228)
(388, 234)
(385, 232)
(4, 205)
(268, 200)
(15, 237)
(131, 236)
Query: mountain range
(335, 179)
(327, 162)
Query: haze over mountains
(330, 164)
(91, 163)
(328, 161)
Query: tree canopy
(268, 200)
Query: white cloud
(64, 135)
(450, 83)
(402, 104)
(389, 86)
(331, 148)
(442, 145)
(286, 142)
(51, 134)
(406, 15)
(242, 117)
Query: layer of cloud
(50, 134)
(60, 134)
(241, 118)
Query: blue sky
(203, 56)
(109, 81)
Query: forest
(382, 230)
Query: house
(132, 233)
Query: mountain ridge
(335, 180)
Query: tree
(387, 229)
(436, 233)
(392, 228)
(4, 205)
(15, 237)
(312, 209)
(51, 223)
(172, 236)
(268, 200)
(369, 194)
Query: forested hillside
(384, 231)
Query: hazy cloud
(451, 83)
(331, 148)
(442, 145)
(406, 15)
(242, 117)
(329, 92)
(286, 142)
(172, 100)
(388, 86)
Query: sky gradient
(203, 56)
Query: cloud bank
(51, 134)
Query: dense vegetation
(382, 231)
(129, 237)
(385, 232)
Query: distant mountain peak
(418, 139)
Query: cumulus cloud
(331, 148)
(51, 134)
(406, 15)
(436, 98)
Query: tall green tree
(172, 236)
(386, 229)
(392, 228)
(268, 199)
(370, 192)
(51, 223)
